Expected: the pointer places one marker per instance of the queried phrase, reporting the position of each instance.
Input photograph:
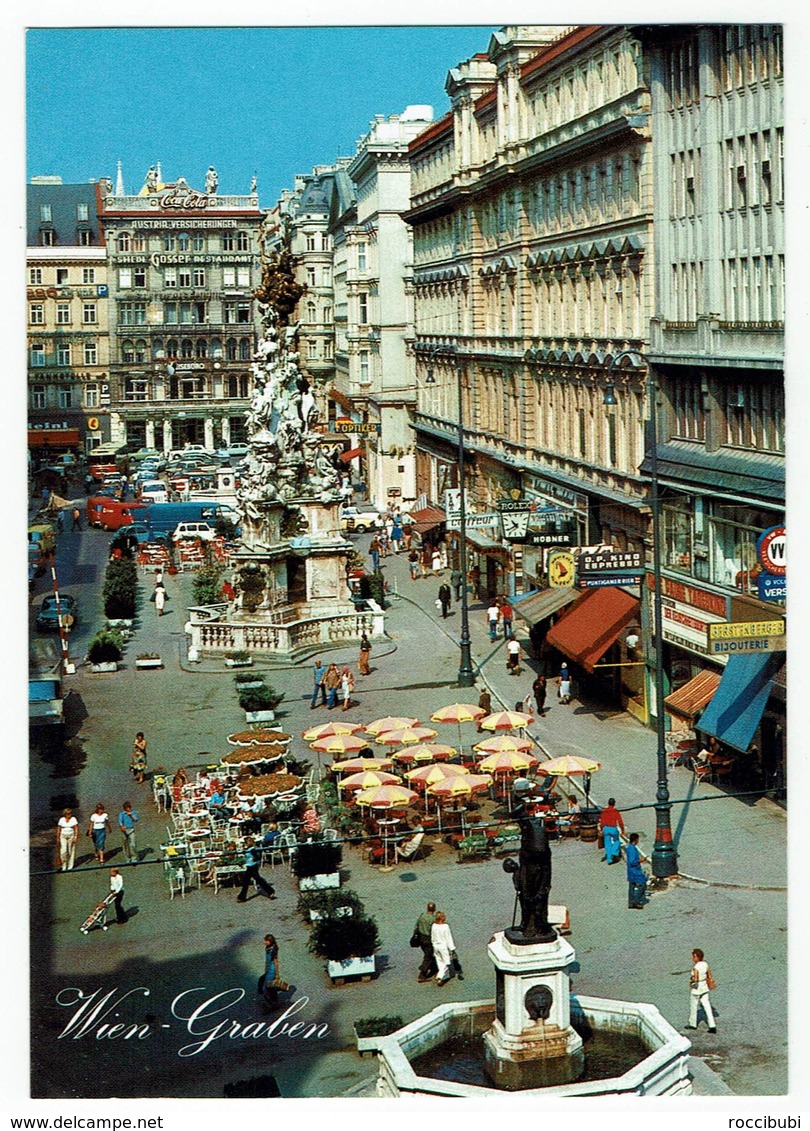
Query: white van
(199, 530)
(153, 491)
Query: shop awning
(693, 696)
(352, 453)
(341, 399)
(539, 606)
(427, 518)
(586, 631)
(53, 437)
(484, 544)
(736, 709)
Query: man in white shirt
(117, 888)
(513, 656)
(493, 613)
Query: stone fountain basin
(664, 1072)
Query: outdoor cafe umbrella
(358, 765)
(424, 752)
(390, 722)
(507, 762)
(458, 713)
(386, 796)
(506, 720)
(454, 787)
(405, 735)
(327, 730)
(430, 775)
(571, 765)
(367, 779)
(503, 742)
(339, 744)
(261, 736)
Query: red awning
(341, 399)
(53, 437)
(428, 518)
(352, 453)
(586, 630)
(690, 699)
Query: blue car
(48, 615)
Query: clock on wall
(515, 524)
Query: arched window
(202, 347)
(172, 347)
(243, 384)
(123, 241)
(244, 349)
(158, 348)
(312, 312)
(187, 348)
(230, 349)
(183, 241)
(233, 386)
(216, 348)
(127, 350)
(140, 349)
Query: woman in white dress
(443, 947)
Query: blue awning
(736, 709)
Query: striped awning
(538, 606)
(690, 699)
(428, 518)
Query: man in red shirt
(611, 823)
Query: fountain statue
(532, 879)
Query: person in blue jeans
(506, 617)
(636, 880)
(493, 613)
(374, 552)
(318, 673)
(610, 820)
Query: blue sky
(269, 101)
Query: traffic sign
(771, 550)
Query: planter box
(260, 716)
(156, 663)
(318, 883)
(250, 685)
(107, 666)
(351, 968)
(239, 663)
(339, 913)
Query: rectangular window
(90, 353)
(45, 213)
(243, 241)
(38, 356)
(184, 277)
(89, 316)
(582, 431)
(243, 312)
(199, 276)
(139, 277)
(243, 277)
(228, 241)
(310, 241)
(61, 276)
(85, 238)
(63, 313)
(82, 212)
(186, 312)
(47, 238)
(170, 277)
(611, 439)
(91, 399)
(138, 243)
(37, 396)
(124, 278)
(35, 276)
(63, 353)
(310, 276)
(88, 274)
(198, 243)
(365, 371)
(363, 299)
(229, 276)
(312, 349)
(170, 313)
(64, 397)
(361, 257)
(36, 314)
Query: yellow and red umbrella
(367, 779)
(502, 742)
(326, 730)
(358, 765)
(386, 796)
(458, 713)
(570, 765)
(339, 744)
(405, 735)
(460, 786)
(507, 762)
(424, 752)
(430, 775)
(390, 722)
(506, 720)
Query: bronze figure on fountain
(531, 875)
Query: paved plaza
(730, 899)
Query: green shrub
(327, 902)
(120, 589)
(206, 585)
(377, 588)
(377, 1026)
(106, 647)
(318, 858)
(350, 937)
(264, 698)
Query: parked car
(189, 450)
(149, 455)
(233, 451)
(358, 520)
(199, 530)
(48, 615)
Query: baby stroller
(98, 916)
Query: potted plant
(238, 659)
(247, 681)
(120, 589)
(206, 585)
(105, 651)
(316, 865)
(259, 703)
(329, 904)
(368, 1030)
(148, 660)
(348, 944)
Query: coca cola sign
(183, 199)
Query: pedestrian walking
(407, 534)
(701, 980)
(270, 972)
(413, 564)
(475, 581)
(564, 685)
(611, 824)
(318, 676)
(436, 561)
(127, 820)
(426, 560)
(539, 692)
(513, 653)
(456, 580)
(445, 597)
(636, 880)
(67, 835)
(60, 522)
(76, 515)
(253, 856)
(117, 889)
(384, 540)
(346, 687)
(443, 948)
(374, 552)
(365, 652)
(396, 536)
(97, 830)
(160, 598)
(331, 682)
(137, 762)
(485, 703)
(493, 613)
(507, 614)
(421, 932)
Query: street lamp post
(466, 674)
(664, 856)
